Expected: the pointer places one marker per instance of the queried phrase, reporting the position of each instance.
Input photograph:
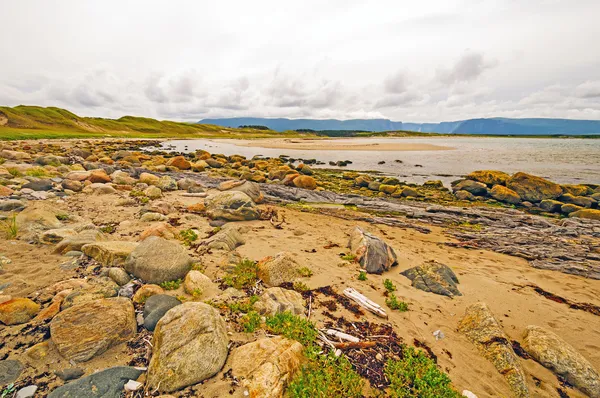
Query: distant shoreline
(340, 144)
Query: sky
(411, 61)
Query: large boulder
(86, 330)
(157, 260)
(180, 162)
(473, 187)
(506, 195)
(96, 288)
(277, 270)
(591, 214)
(266, 366)
(577, 190)
(433, 277)
(484, 331)
(560, 357)
(582, 201)
(305, 182)
(250, 188)
(18, 310)
(190, 345)
(551, 205)
(232, 206)
(107, 383)
(532, 188)
(109, 253)
(489, 177)
(275, 300)
(373, 254)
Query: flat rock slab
(9, 371)
(107, 383)
(434, 277)
(109, 253)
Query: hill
(490, 126)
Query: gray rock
(107, 383)
(26, 392)
(228, 238)
(372, 253)
(11, 205)
(118, 275)
(10, 370)
(473, 187)
(433, 277)
(69, 373)
(250, 188)
(158, 260)
(232, 206)
(156, 307)
(551, 205)
(39, 185)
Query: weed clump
(362, 276)
(188, 236)
(244, 275)
(395, 304)
(171, 285)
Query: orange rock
(289, 179)
(5, 191)
(99, 176)
(18, 310)
(163, 230)
(145, 292)
(305, 182)
(196, 208)
(180, 162)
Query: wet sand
(341, 144)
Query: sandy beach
(342, 144)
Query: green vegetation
(243, 305)
(292, 327)
(305, 272)
(14, 172)
(171, 285)
(10, 227)
(188, 236)
(396, 305)
(349, 257)
(416, 375)
(244, 275)
(36, 172)
(62, 216)
(389, 286)
(251, 321)
(300, 286)
(8, 391)
(362, 276)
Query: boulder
(266, 366)
(506, 195)
(362, 181)
(107, 383)
(157, 260)
(54, 236)
(373, 254)
(577, 190)
(434, 277)
(275, 271)
(99, 176)
(109, 253)
(18, 310)
(145, 292)
(199, 285)
(180, 162)
(389, 189)
(86, 330)
(96, 288)
(532, 188)
(250, 188)
(569, 208)
(591, 214)
(161, 229)
(582, 201)
(10, 370)
(166, 183)
(156, 307)
(122, 178)
(464, 195)
(561, 358)
(76, 242)
(275, 300)
(32, 220)
(232, 206)
(149, 179)
(12, 205)
(489, 177)
(99, 189)
(118, 275)
(14, 155)
(39, 185)
(72, 185)
(228, 238)
(484, 331)
(305, 182)
(5, 191)
(153, 192)
(190, 345)
(551, 205)
(474, 187)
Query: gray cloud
(469, 67)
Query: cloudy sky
(419, 61)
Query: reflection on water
(568, 160)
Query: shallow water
(568, 160)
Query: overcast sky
(419, 61)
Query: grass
(362, 276)
(244, 275)
(188, 236)
(36, 172)
(8, 391)
(394, 304)
(171, 285)
(300, 286)
(10, 227)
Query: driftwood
(365, 302)
(342, 336)
(359, 345)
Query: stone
(99, 189)
(109, 253)
(275, 300)
(156, 307)
(232, 206)
(118, 275)
(532, 188)
(39, 185)
(150, 217)
(79, 176)
(577, 190)
(99, 176)
(38, 351)
(160, 207)
(551, 205)
(146, 291)
(484, 331)
(277, 270)
(591, 214)
(76, 242)
(157, 260)
(582, 201)
(362, 181)
(250, 188)
(560, 357)
(374, 185)
(569, 208)
(464, 195)
(199, 285)
(433, 277)
(161, 229)
(72, 185)
(166, 183)
(97, 288)
(10, 370)
(410, 192)
(149, 179)
(180, 162)
(506, 195)
(107, 383)
(32, 220)
(54, 307)
(5, 191)
(489, 177)
(87, 330)
(153, 192)
(190, 345)
(69, 373)
(228, 238)
(26, 392)
(474, 187)
(14, 155)
(12, 205)
(266, 366)
(18, 310)
(54, 236)
(372, 253)
(122, 178)
(305, 182)
(389, 189)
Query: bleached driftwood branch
(364, 302)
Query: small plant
(10, 227)
(188, 236)
(244, 275)
(292, 327)
(62, 216)
(171, 285)
(196, 294)
(198, 267)
(144, 200)
(243, 305)
(300, 286)
(14, 172)
(416, 375)
(349, 257)
(305, 272)
(362, 276)
(8, 391)
(396, 305)
(251, 321)
(109, 229)
(389, 286)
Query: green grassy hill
(34, 122)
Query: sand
(340, 144)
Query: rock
(159, 207)
(86, 330)
(362, 181)
(489, 177)
(389, 189)
(12, 205)
(109, 253)
(99, 189)
(232, 206)
(473, 187)
(76, 242)
(577, 190)
(39, 185)
(250, 188)
(506, 195)
(54, 236)
(118, 275)
(560, 357)
(79, 176)
(149, 179)
(156, 307)
(410, 192)
(305, 182)
(36, 220)
(275, 271)
(161, 229)
(18, 310)
(551, 205)
(464, 195)
(433, 277)
(150, 217)
(266, 366)
(10, 370)
(373, 254)
(275, 300)
(228, 238)
(38, 351)
(122, 178)
(14, 155)
(107, 383)
(577, 200)
(99, 176)
(72, 185)
(153, 192)
(5, 191)
(166, 183)
(146, 291)
(97, 288)
(374, 185)
(569, 208)
(591, 214)
(157, 260)
(180, 162)
(54, 308)
(26, 392)
(200, 285)
(532, 188)
(187, 184)
(482, 329)
(69, 373)
(190, 345)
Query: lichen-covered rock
(591, 214)
(266, 366)
(109, 253)
(275, 271)
(305, 182)
(577, 190)
(157, 260)
(76, 242)
(569, 208)
(474, 187)
(96, 288)
(551, 205)
(149, 179)
(86, 330)
(180, 162)
(506, 195)
(532, 188)
(199, 285)
(275, 300)
(250, 188)
(464, 195)
(434, 277)
(582, 201)
(18, 310)
(232, 206)
(489, 177)
(190, 345)
(373, 254)
(483, 330)
(145, 292)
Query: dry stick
(309, 306)
(365, 302)
(359, 344)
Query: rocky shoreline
(136, 273)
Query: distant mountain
(491, 126)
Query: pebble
(26, 392)
(69, 373)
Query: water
(565, 161)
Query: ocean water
(568, 160)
